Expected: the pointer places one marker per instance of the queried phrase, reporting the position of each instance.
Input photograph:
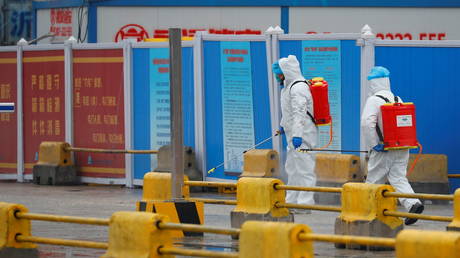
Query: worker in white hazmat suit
(299, 128)
(382, 164)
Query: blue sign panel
(238, 94)
(151, 103)
(237, 111)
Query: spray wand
(237, 156)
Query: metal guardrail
(200, 253)
(310, 189)
(64, 219)
(346, 239)
(74, 149)
(417, 216)
(198, 228)
(65, 242)
(308, 207)
(446, 197)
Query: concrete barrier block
(256, 199)
(455, 224)
(135, 234)
(10, 227)
(190, 167)
(338, 168)
(427, 244)
(362, 214)
(157, 187)
(261, 163)
(274, 240)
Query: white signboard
(63, 23)
(118, 23)
(386, 23)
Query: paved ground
(102, 201)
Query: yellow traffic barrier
(261, 163)
(157, 198)
(10, 227)
(142, 238)
(362, 213)
(274, 239)
(263, 207)
(54, 153)
(157, 187)
(54, 165)
(427, 244)
(455, 225)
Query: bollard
(273, 240)
(334, 170)
(261, 163)
(362, 214)
(157, 198)
(455, 224)
(135, 234)
(256, 199)
(427, 244)
(10, 227)
(54, 166)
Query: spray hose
(411, 169)
(331, 137)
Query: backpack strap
(308, 112)
(377, 127)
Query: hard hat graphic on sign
(131, 31)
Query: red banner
(99, 111)
(8, 125)
(43, 101)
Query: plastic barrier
(136, 234)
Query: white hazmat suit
(295, 101)
(392, 163)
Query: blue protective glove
(379, 147)
(280, 131)
(297, 141)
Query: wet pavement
(102, 201)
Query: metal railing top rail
(75, 149)
(198, 253)
(347, 239)
(199, 228)
(417, 216)
(447, 197)
(312, 189)
(63, 219)
(65, 242)
(213, 201)
(309, 207)
(209, 184)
